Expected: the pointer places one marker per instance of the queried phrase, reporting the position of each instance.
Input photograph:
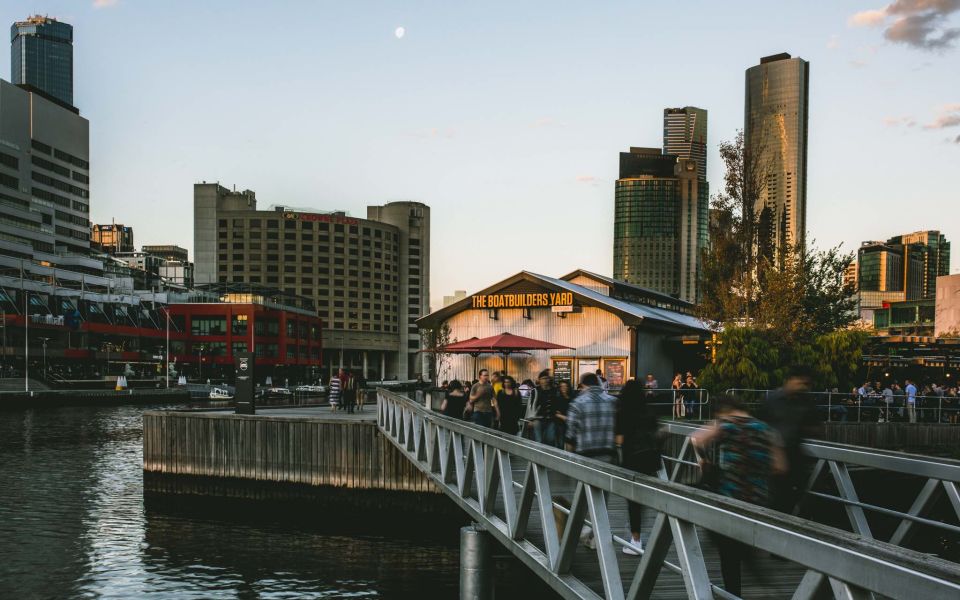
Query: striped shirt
(334, 395)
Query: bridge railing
(829, 479)
(840, 406)
(474, 466)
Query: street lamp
(45, 340)
(200, 350)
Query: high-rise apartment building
(775, 141)
(885, 274)
(369, 278)
(933, 250)
(660, 222)
(41, 58)
(685, 135)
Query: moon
(399, 32)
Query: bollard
(476, 564)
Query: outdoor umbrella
(504, 344)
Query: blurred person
(509, 406)
(750, 453)
(561, 404)
(793, 415)
(454, 401)
(650, 384)
(636, 436)
(590, 429)
(603, 381)
(546, 400)
(349, 391)
(496, 380)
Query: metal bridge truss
(832, 467)
(474, 467)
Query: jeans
(484, 419)
(553, 433)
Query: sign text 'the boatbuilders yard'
(534, 300)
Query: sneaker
(586, 536)
(634, 548)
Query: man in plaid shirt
(590, 421)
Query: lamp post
(45, 340)
(200, 349)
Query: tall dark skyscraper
(41, 57)
(775, 138)
(685, 135)
(660, 222)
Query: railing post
(476, 563)
(829, 406)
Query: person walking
(361, 386)
(546, 397)
(750, 453)
(454, 401)
(590, 429)
(793, 416)
(349, 384)
(509, 406)
(911, 401)
(561, 405)
(636, 435)
(604, 384)
(333, 395)
(482, 404)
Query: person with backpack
(637, 435)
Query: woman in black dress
(510, 405)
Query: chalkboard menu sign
(563, 369)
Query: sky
(506, 118)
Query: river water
(73, 524)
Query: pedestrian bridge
(510, 486)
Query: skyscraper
(660, 222)
(775, 140)
(933, 251)
(685, 135)
(41, 58)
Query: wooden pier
(283, 453)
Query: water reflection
(73, 524)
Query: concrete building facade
(369, 278)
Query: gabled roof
(617, 283)
(629, 312)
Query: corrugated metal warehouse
(620, 328)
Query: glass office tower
(41, 57)
(660, 222)
(775, 138)
(685, 135)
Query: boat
(276, 393)
(311, 389)
(220, 394)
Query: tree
(435, 340)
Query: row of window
(304, 225)
(60, 155)
(63, 186)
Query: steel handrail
(472, 465)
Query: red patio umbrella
(505, 344)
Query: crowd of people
(874, 401)
(759, 455)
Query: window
(208, 325)
(269, 327)
(266, 351)
(239, 347)
(238, 325)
